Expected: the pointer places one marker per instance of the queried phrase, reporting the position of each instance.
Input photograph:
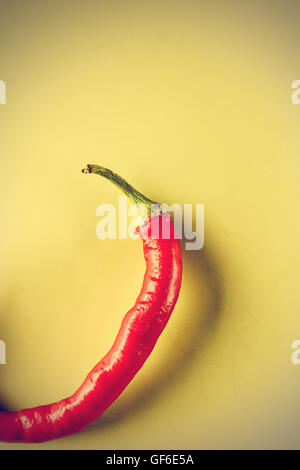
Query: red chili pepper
(140, 329)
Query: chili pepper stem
(135, 196)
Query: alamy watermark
(184, 217)
(295, 357)
(296, 94)
(2, 92)
(2, 352)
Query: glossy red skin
(140, 329)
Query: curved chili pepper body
(140, 329)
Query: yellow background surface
(191, 102)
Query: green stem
(135, 196)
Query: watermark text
(296, 94)
(2, 352)
(2, 92)
(184, 217)
(295, 358)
